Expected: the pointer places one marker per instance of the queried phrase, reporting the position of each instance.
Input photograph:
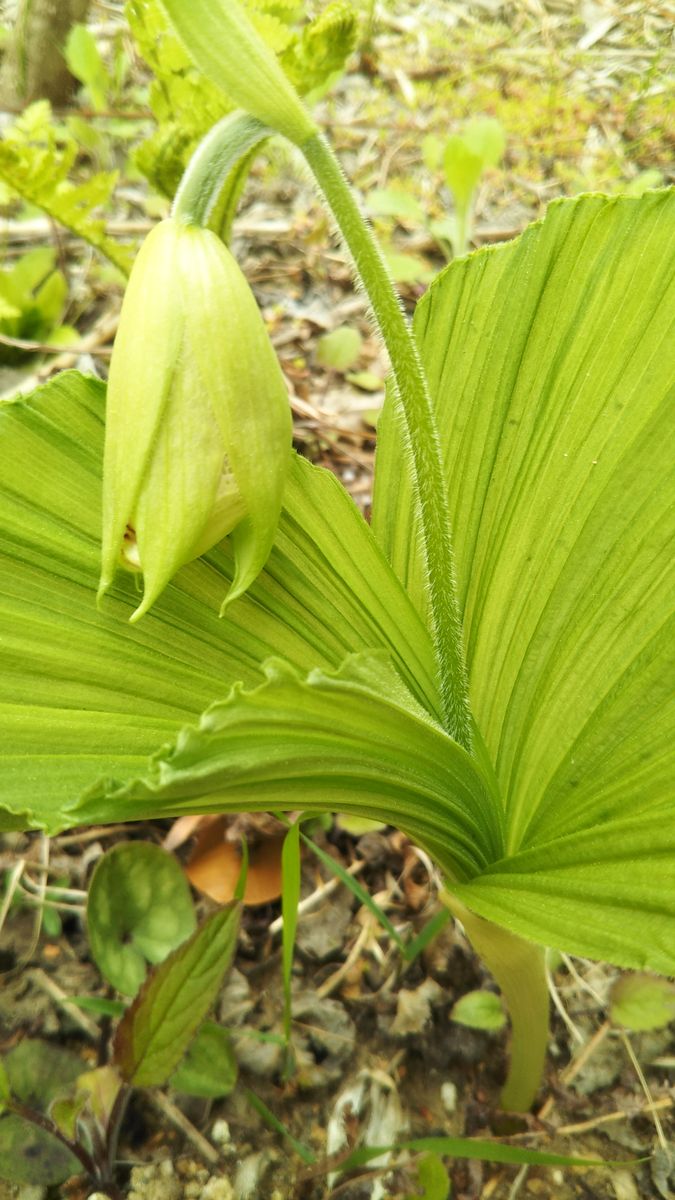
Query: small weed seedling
(62, 1118)
(465, 157)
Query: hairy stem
(418, 424)
(518, 967)
(115, 1125)
(215, 158)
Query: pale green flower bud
(198, 425)
(226, 47)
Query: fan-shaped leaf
(549, 363)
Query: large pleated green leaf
(355, 739)
(547, 360)
(82, 692)
(606, 892)
(550, 363)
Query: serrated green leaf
(139, 909)
(548, 360)
(320, 52)
(157, 1029)
(184, 103)
(274, 32)
(354, 739)
(209, 1068)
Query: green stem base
(518, 966)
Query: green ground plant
(37, 156)
(33, 294)
(465, 157)
(59, 1117)
(485, 667)
(63, 1118)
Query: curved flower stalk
(198, 423)
(224, 44)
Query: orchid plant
(485, 666)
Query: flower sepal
(198, 425)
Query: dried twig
(61, 998)
(609, 1118)
(180, 1121)
(312, 901)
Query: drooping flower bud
(226, 46)
(198, 425)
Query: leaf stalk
(518, 966)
